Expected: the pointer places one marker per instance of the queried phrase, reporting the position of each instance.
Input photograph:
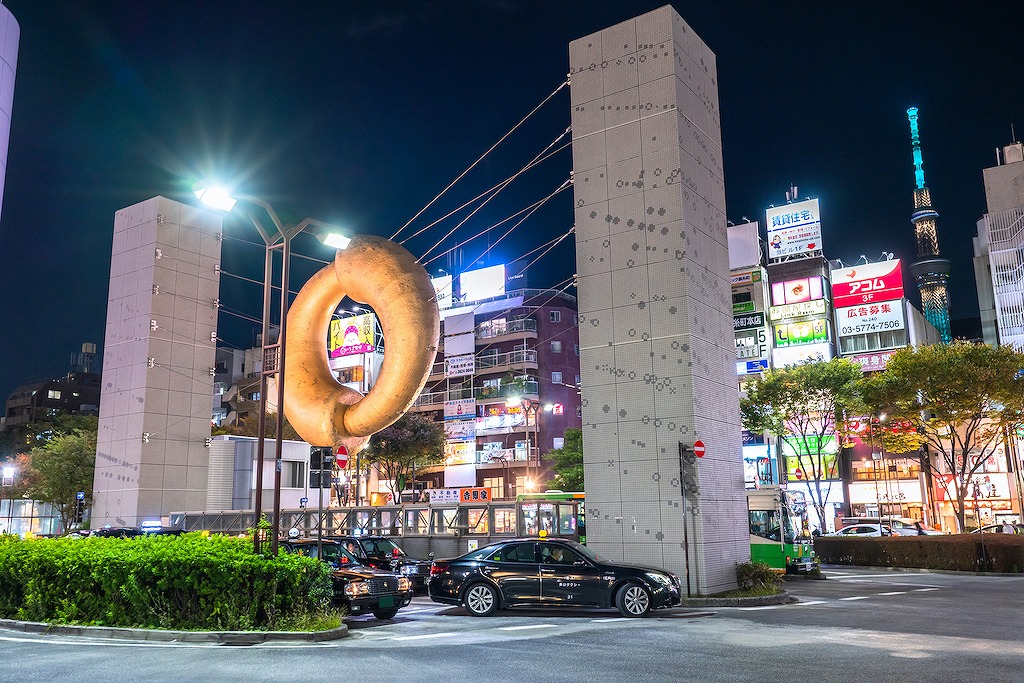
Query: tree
(803, 406)
(414, 440)
(56, 471)
(568, 462)
(249, 425)
(962, 398)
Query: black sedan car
(384, 553)
(530, 572)
(358, 588)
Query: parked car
(999, 529)
(864, 530)
(383, 552)
(358, 588)
(530, 572)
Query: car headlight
(408, 569)
(659, 578)
(403, 584)
(357, 588)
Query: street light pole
(272, 356)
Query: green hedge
(959, 552)
(173, 582)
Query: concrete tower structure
(152, 452)
(9, 35)
(930, 271)
(657, 353)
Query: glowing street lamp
(273, 355)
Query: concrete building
(658, 356)
(10, 34)
(999, 250)
(158, 368)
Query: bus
(557, 513)
(776, 529)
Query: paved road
(861, 626)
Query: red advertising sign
(872, 282)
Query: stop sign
(341, 456)
(698, 449)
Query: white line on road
(425, 635)
(922, 590)
(857, 597)
(753, 609)
(894, 593)
(809, 602)
(605, 621)
(524, 628)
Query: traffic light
(321, 458)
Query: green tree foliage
(962, 398)
(803, 405)
(567, 462)
(249, 425)
(414, 440)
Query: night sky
(360, 113)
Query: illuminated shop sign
(870, 283)
(816, 307)
(791, 355)
(873, 362)
(747, 322)
(880, 317)
(794, 229)
(352, 335)
(751, 367)
(752, 343)
(751, 277)
(796, 334)
(797, 291)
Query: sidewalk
(157, 635)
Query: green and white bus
(776, 529)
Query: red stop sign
(698, 449)
(341, 456)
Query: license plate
(387, 601)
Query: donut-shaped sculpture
(383, 275)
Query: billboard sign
(870, 283)
(748, 278)
(797, 291)
(459, 452)
(816, 307)
(460, 366)
(752, 343)
(791, 355)
(460, 430)
(747, 322)
(797, 334)
(854, 320)
(752, 367)
(873, 362)
(352, 335)
(460, 409)
(482, 283)
(443, 291)
(794, 230)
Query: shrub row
(174, 582)
(959, 552)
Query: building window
(555, 316)
(556, 347)
(576, 349)
(350, 375)
(53, 393)
(558, 442)
(577, 381)
(556, 377)
(293, 474)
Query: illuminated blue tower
(930, 271)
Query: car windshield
(379, 547)
(334, 554)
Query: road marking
(857, 597)
(922, 590)
(810, 602)
(752, 609)
(895, 593)
(425, 635)
(609, 619)
(524, 628)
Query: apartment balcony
(434, 400)
(508, 330)
(488, 363)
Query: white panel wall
(157, 388)
(9, 35)
(656, 336)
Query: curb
(758, 601)
(164, 636)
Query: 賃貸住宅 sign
(870, 283)
(879, 317)
(799, 333)
(798, 310)
(794, 229)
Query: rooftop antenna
(1013, 133)
(791, 193)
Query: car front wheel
(634, 600)
(480, 600)
(386, 613)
